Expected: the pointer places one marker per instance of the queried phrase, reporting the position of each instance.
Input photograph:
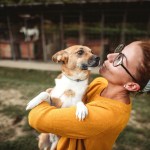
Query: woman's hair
(144, 71)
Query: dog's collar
(77, 80)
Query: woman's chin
(101, 70)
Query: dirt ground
(11, 131)
(11, 97)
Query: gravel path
(35, 65)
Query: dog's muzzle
(94, 61)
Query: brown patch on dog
(69, 93)
(67, 71)
(61, 56)
(56, 102)
(87, 74)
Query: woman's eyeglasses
(118, 61)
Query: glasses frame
(118, 50)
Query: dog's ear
(61, 56)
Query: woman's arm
(63, 121)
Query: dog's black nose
(97, 58)
(94, 61)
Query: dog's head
(23, 30)
(76, 58)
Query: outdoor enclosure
(33, 30)
(99, 25)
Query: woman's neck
(117, 93)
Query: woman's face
(132, 60)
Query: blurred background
(33, 30)
(36, 29)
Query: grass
(28, 142)
(134, 139)
(13, 110)
(29, 83)
(137, 136)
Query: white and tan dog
(71, 84)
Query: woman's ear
(132, 86)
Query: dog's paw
(81, 111)
(31, 104)
(43, 96)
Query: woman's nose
(111, 57)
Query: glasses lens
(119, 48)
(118, 60)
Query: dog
(71, 85)
(32, 32)
(44, 141)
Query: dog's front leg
(43, 96)
(43, 141)
(54, 140)
(81, 111)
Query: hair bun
(147, 87)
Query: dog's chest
(68, 91)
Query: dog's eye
(80, 52)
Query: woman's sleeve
(63, 121)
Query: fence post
(61, 31)
(11, 39)
(102, 36)
(148, 27)
(81, 29)
(122, 40)
(43, 39)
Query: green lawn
(28, 83)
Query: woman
(107, 100)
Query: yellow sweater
(105, 120)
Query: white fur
(81, 111)
(61, 85)
(30, 32)
(77, 75)
(90, 68)
(43, 96)
(54, 140)
(64, 84)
